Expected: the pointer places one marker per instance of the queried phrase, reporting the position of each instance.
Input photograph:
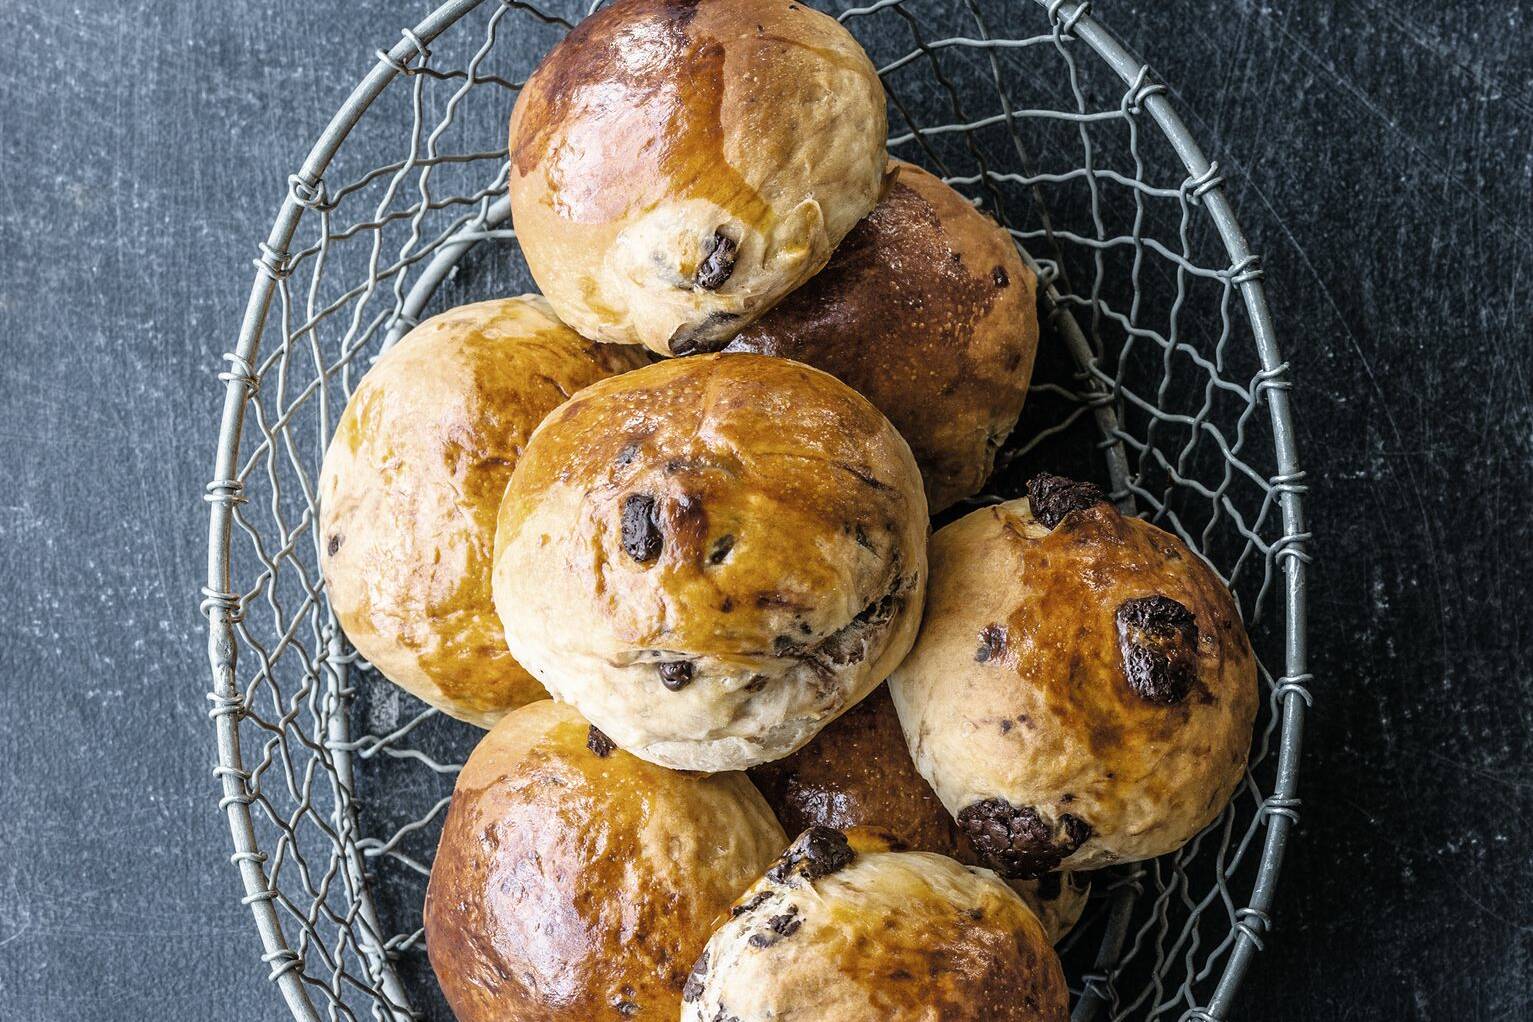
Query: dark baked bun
(842, 928)
(411, 485)
(1082, 691)
(576, 882)
(678, 166)
(712, 557)
(928, 311)
(858, 773)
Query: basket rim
(1069, 19)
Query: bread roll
(712, 557)
(927, 310)
(1082, 692)
(411, 485)
(678, 166)
(576, 882)
(844, 929)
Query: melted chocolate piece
(818, 852)
(641, 528)
(694, 986)
(676, 674)
(1158, 638)
(599, 743)
(718, 262)
(1052, 497)
(1015, 841)
(749, 906)
(721, 548)
(777, 928)
(692, 340)
(334, 544)
(992, 644)
(999, 276)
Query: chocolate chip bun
(858, 773)
(927, 310)
(1082, 691)
(843, 928)
(411, 485)
(712, 557)
(678, 166)
(576, 882)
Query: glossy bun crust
(575, 882)
(851, 931)
(928, 311)
(411, 485)
(712, 557)
(1082, 691)
(677, 166)
(858, 773)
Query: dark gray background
(1381, 158)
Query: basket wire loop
(1167, 349)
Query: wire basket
(1158, 354)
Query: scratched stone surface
(1380, 156)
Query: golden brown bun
(858, 773)
(1082, 691)
(411, 484)
(576, 882)
(928, 311)
(678, 166)
(712, 557)
(843, 929)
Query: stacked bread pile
(713, 564)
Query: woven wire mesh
(1157, 374)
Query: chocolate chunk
(641, 527)
(718, 262)
(1052, 497)
(676, 674)
(1015, 841)
(818, 852)
(992, 644)
(694, 985)
(1158, 638)
(598, 742)
(334, 544)
(777, 928)
(999, 276)
(696, 340)
(721, 548)
(749, 906)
